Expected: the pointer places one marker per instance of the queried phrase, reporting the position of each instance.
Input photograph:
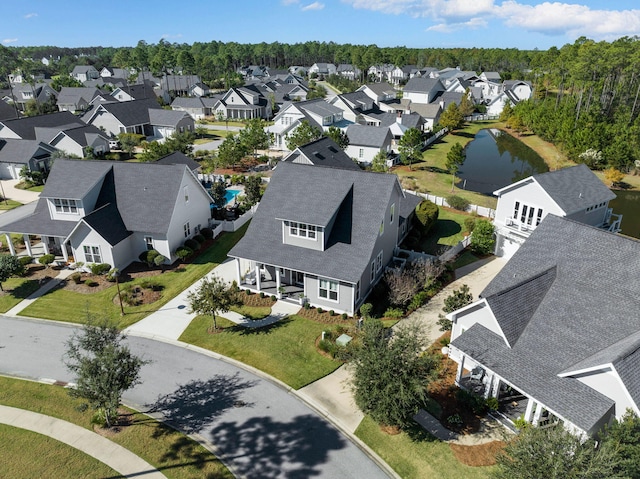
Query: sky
(522, 24)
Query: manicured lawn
(222, 123)
(252, 312)
(171, 452)
(467, 257)
(64, 305)
(9, 204)
(17, 289)
(47, 457)
(418, 455)
(448, 231)
(285, 350)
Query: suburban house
(122, 117)
(244, 103)
(110, 212)
(353, 105)
(422, 90)
(365, 142)
(429, 113)
(25, 128)
(381, 73)
(113, 72)
(22, 93)
(322, 152)
(575, 192)
(196, 107)
(83, 73)
(17, 154)
(166, 123)
(379, 92)
(400, 75)
(348, 71)
(322, 69)
(76, 99)
(199, 89)
(139, 91)
(178, 85)
(76, 140)
(398, 124)
(325, 234)
(555, 335)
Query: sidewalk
(48, 286)
(113, 455)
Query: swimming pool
(230, 195)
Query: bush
(192, 244)
(394, 313)
(100, 268)
(46, 259)
(426, 216)
(419, 300)
(148, 256)
(152, 285)
(365, 310)
(247, 292)
(91, 283)
(344, 316)
(76, 278)
(470, 401)
(25, 260)
(183, 252)
(262, 294)
(482, 241)
(199, 238)
(112, 274)
(332, 313)
(320, 310)
(307, 305)
(207, 233)
(457, 203)
(492, 404)
(159, 260)
(469, 224)
(274, 298)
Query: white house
(365, 142)
(422, 90)
(110, 212)
(575, 192)
(555, 335)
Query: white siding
(606, 381)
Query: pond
(627, 204)
(496, 159)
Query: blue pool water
(229, 195)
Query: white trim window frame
(303, 230)
(379, 262)
(328, 290)
(148, 241)
(63, 205)
(92, 254)
(187, 229)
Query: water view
(627, 204)
(496, 159)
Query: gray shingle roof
(162, 117)
(25, 127)
(129, 113)
(312, 194)
(7, 111)
(73, 95)
(324, 152)
(381, 88)
(591, 305)
(178, 158)
(20, 151)
(423, 84)
(365, 135)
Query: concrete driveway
(13, 193)
(255, 425)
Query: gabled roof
(178, 82)
(25, 128)
(323, 152)
(7, 112)
(365, 135)
(590, 306)
(178, 158)
(129, 113)
(382, 88)
(162, 117)
(83, 69)
(423, 85)
(82, 135)
(73, 95)
(138, 91)
(312, 194)
(573, 189)
(21, 151)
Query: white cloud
(290, 2)
(550, 18)
(313, 6)
(9, 40)
(30, 15)
(168, 36)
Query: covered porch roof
(34, 219)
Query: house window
(529, 215)
(186, 194)
(361, 153)
(65, 206)
(92, 254)
(357, 291)
(373, 271)
(148, 240)
(393, 210)
(382, 228)
(187, 230)
(379, 262)
(302, 230)
(328, 289)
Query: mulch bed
(324, 317)
(479, 455)
(124, 420)
(254, 299)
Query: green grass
(174, 454)
(9, 204)
(417, 455)
(64, 305)
(252, 312)
(17, 289)
(222, 123)
(448, 231)
(48, 457)
(285, 350)
(467, 257)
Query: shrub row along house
(110, 212)
(323, 233)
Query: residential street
(257, 427)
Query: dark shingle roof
(308, 194)
(591, 305)
(20, 151)
(129, 113)
(178, 158)
(423, 84)
(324, 152)
(25, 127)
(7, 111)
(365, 135)
(162, 117)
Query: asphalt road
(258, 428)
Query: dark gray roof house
(7, 112)
(179, 158)
(119, 117)
(16, 154)
(25, 128)
(559, 325)
(322, 152)
(365, 135)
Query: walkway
(13, 193)
(48, 286)
(113, 455)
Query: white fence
(455, 250)
(440, 201)
(235, 225)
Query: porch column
(495, 390)
(489, 386)
(258, 277)
(278, 282)
(45, 244)
(529, 410)
(460, 368)
(238, 275)
(12, 250)
(537, 414)
(27, 244)
(65, 255)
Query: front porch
(43, 245)
(272, 281)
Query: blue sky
(523, 24)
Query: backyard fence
(440, 201)
(234, 225)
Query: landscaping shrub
(247, 292)
(320, 310)
(76, 278)
(91, 283)
(192, 244)
(100, 268)
(365, 310)
(183, 252)
(159, 260)
(426, 216)
(25, 260)
(207, 233)
(471, 401)
(332, 313)
(152, 285)
(46, 259)
(307, 305)
(394, 313)
(262, 294)
(344, 316)
(469, 224)
(419, 300)
(148, 256)
(273, 298)
(482, 241)
(112, 274)
(492, 404)
(457, 203)
(199, 238)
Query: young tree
(455, 159)
(379, 162)
(9, 265)
(212, 296)
(104, 367)
(482, 240)
(305, 133)
(218, 190)
(459, 298)
(555, 453)
(252, 187)
(231, 151)
(613, 176)
(129, 141)
(410, 146)
(391, 373)
(466, 104)
(337, 135)
(451, 118)
(624, 436)
(254, 137)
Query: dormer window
(65, 206)
(302, 230)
